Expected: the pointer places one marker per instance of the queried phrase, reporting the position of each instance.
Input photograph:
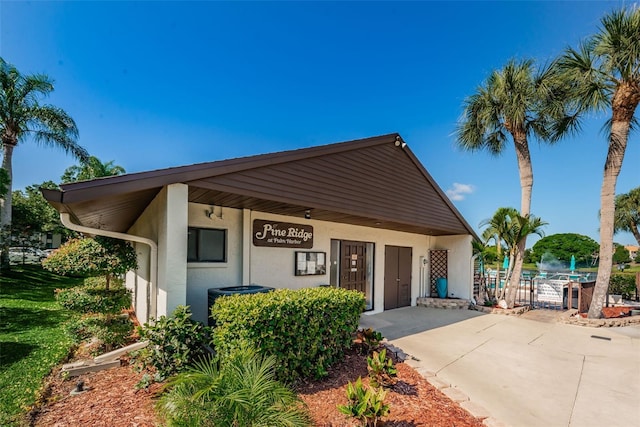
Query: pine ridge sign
(282, 234)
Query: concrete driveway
(523, 372)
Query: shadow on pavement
(401, 322)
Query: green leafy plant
(307, 330)
(240, 390)
(369, 340)
(93, 297)
(382, 370)
(365, 404)
(175, 342)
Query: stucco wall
(165, 222)
(274, 267)
(205, 275)
(147, 225)
(460, 283)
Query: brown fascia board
(441, 193)
(88, 190)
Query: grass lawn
(32, 340)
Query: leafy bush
(240, 390)
(307, 330)
(92, 297)
(101, 256)
(175, 342)
(382, 370)
(106, 333)
(623, 284)
(365, 404)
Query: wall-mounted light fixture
(307, 214)
(211, 213)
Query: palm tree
(92, 168)
(22, 117)
(240, 390)
(604, 73)
(627, 213)
(520, 228)
(522, 102)
(498, 227)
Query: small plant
(174, 343)
(240, 390)
(365, 404)
(369, 340)
(382, 370)
(489, 302)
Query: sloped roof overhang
(375, 182)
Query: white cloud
(459, 191)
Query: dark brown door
(353, 272)
(397, 277)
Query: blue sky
(160, 84)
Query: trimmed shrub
(307, 330)
(105, 333)
(623, 284)
(175, 342)
(102, 256)
(92, 297)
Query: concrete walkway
(523, 372)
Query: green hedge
(623, 284)
(105, 332)
(92, 297)
(307, 330)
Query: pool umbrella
(505, 262)
(572, 266)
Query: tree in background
(33, 215)
(99, 256)
(520, 101)
(627, 213)
(621, 255)
(90, 169)
(21, 117)
(562, 246)
(604, 73)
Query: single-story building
(362, 214)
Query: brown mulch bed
(613, 312)
(112, 400)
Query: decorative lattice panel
(478, 279)
(438, 266)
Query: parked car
(25, 255)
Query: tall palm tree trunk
(636, 233)
(525, 169)
(5, 203)
(612, 166)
